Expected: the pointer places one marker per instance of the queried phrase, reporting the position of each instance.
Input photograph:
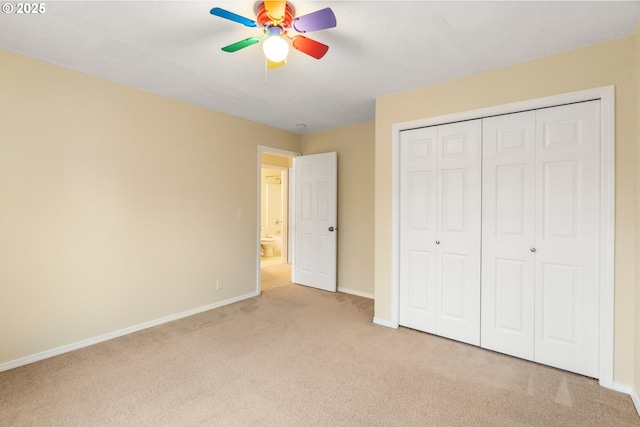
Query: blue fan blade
(233, 17)
(314, 21)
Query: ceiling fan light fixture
(276, 19)
(275, 47)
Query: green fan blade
(242, 44)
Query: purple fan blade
(314, 21)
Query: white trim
(607, 163)
(111, 335)
(383, 322)
(290, 224)
(607, 235)
(357, 293)
(635, 399)
(278, 152)
(622, 388)
(395, 227)
(533, 104)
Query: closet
(499, 233)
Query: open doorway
(274, 214)
(274, 242)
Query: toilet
(266, 243)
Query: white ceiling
(378, 48)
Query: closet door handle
(437, 242)
(533, 249)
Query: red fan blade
(310, 47)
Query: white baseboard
(111, 335)
(354, 292)
(636, 400)
(383, 322)
(622, 388)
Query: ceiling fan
(276, 19)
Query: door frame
(263, 149)
(606, 95)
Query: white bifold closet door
(540, 236)
(508, 233)
(440, 230)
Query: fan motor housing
(264, 20)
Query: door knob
(533, 249)
(331, 228)
(437, 242)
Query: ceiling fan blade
(233, 17)
(310, 47)
(272, 64)
(242, 44)
(275, 9)
(314, 21)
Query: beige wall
(118, 206)
(355, 148)
(609, 63)
(636, 382)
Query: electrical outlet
(218, 284)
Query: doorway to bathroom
(275, 245)
(303, 235)
(274, 214)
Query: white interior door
(567, 237)
(419, 152)
(291, 247)
(440, 230)
(458, 221)
(316, 220)
(540, 236)
(508, 234)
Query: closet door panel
(508, 234)
(418, 229)
(458, 231)
(568, 219)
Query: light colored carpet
(296, 356)
(275, 275)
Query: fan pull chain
(266, 68)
